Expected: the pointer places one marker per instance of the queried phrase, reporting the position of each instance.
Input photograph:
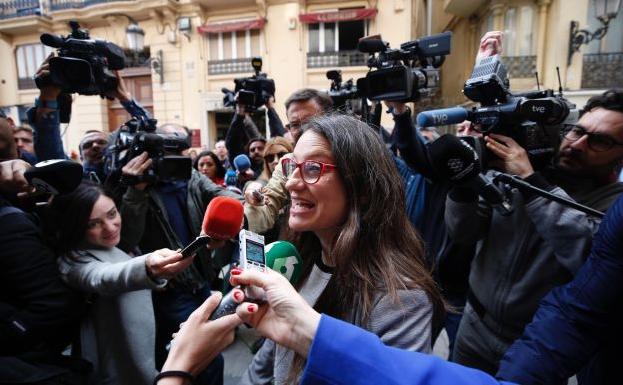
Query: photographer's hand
(121, 93)
(270, 103)
(136, 167)
(49, 92)
(396, 108)
(286, 318)
(490, 44)
(12, 180)
(513, 158)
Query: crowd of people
(95, 289)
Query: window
(519, 31)
(234, 45)
(28, 58)
(612, 42)
(337, 36)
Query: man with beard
(542, 244)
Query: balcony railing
(26, 83)
(520, 66)
(57, 5)
(229, 66)
(336, 59)
(19, 8)
(602, 70)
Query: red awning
(232, 26)
(344, 15)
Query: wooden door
(138, 83)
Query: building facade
(194, 48)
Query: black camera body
(137, 136)
(83, 65)
(253, 92)
(344, 95)
(406, 74)
(533, 119)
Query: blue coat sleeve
(342, 353)
(572, 321)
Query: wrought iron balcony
(19, 8)
(602, 70)
(57, 5)
(229, 66)
(336, 59)
(520, 66)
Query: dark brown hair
(305, 94)
(377, 248)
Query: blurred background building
(182, 52)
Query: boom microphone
(442, 117)
(281, 257)
(56, 176)
(222, 220)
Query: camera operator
(169, 215)
(541, 244)
(39, 315)
(243, 136)
(46, 122)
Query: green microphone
(282, 257)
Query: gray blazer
(118, 334)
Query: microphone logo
(286, 266)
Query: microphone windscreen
(442, 117)
(242, 163)
(230, 178)
(453, 159)
(283, 258)
(56, 176)
(223, 218)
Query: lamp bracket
(578, 37)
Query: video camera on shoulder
(533, 119)
(137, 136)
(405, 74)
(344, 95)
(83, 65)
(253, 92)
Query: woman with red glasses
(363, 259)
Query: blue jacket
(577, 322)
(342, 353)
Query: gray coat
(404, 325)
(118, 334)
(520, 257)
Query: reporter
(118, 335)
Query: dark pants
(172, 307)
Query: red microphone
(222, 220)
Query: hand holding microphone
(222, 221)
(281, 257)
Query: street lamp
(605, 10)
(136, 37)
(133, 33)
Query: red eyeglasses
(311, 170)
